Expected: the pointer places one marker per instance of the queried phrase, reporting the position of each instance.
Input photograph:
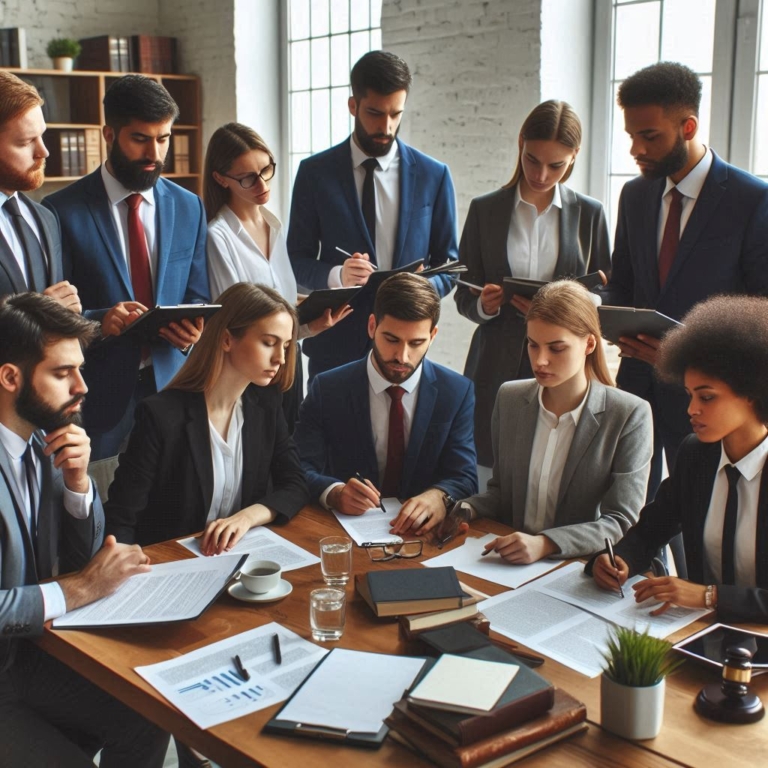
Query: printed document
(206, 686)
(373, 525)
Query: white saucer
(239, 592)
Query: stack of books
(156, 55)
(13, 47)
(180, 153)
(73, 153)
(106, 53)
(461, 716)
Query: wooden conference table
(107, 657)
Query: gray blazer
(64, 544)
(605, 476)
(498, 345)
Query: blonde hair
(16, 97)
(567, 304)
(550, 121)
(242, 304)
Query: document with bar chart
(209, 687)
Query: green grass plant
(638, 660)
(63, 46)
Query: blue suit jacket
(94, 262)
(326, 212)
(335, 438)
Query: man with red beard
(30, 238)
(392, 424)
(132, 240)
(52, 523)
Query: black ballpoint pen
(359, 477)
(609, 547)
(276, 649)
(241, 670)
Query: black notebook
(521, 286)
(145, 328)
(628, 321)
(326, 298)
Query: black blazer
(11, 277)
(164, 481)
(498, 345)
(681, 505)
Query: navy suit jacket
(335, 438)
(724, 249)
(326, 212)
(11, 277)
(94, 262)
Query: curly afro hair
(667, 84)
(725, 337)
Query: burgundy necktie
(395, 444)
(671, 239)
(138, 254)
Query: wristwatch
(449, 501)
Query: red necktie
(138, 253)
(671, 239)
(395, 444)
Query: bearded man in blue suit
(132, 240)
(374, 197)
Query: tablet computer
(709, 645)
(616, 322)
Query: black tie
(37, 269)
(729, 526)
(369, 198)
(32, 489)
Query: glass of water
(336, 559)
(327, 613)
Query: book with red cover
(566, 717)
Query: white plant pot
(634, 713)
(63, 63)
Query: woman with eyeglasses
(246, 241)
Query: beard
(386, 370)
(22, 181)
(366, 141)
(131, 173)
(674, 161)
(31, 407)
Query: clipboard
(629, 321)
(283, 727)
(145, 328)
(326, 298)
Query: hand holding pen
(362, 480)
(356, 269)
(612, 558)
(610, 570)
(354, 497)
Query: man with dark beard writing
(132, 240)
(30, 238)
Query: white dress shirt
(533, 241)
(117, 194)
(234, 256)
(748, 487)
(8, 230)
(549, 452)
(690, 187)
(386, 181)
(380, 403)
(77, 504)
(227, 456)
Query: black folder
(145, 328)
(522, 286)
(628, 321)
(326, 298)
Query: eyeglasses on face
(250, 179)
(381, 552)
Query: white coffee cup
(261, 576)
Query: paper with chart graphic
(542, 616)
(207, 688)
(373, 525)
(263, 544)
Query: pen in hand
(241, 670)
(276, 649)
(611, 557)
(347, 253)
(359, 477)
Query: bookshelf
(74, 115)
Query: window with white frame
(325, 38)
(760, 149)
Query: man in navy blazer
(715, 235)
(132, 240)
(392, 424)
(400, 210)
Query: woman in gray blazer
(533, 227)
(571, 452)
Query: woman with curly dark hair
(717, 494)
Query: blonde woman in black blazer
(577, 244)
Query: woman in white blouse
(533, 227)
(571, 451)
(246, 241)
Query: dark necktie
(34, 258)
(138, 254)
(395, 444)
(369, 198)
(33, 490)
(729, 526)
(671, 239)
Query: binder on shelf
(13, 47)
(105, 53)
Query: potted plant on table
(632, 685)
(63, 51)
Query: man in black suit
(30, 238)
